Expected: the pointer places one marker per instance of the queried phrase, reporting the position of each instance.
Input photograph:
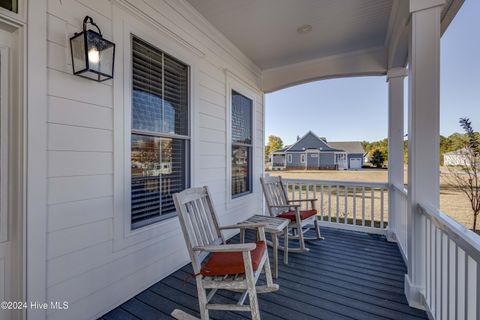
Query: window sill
(241, 195)
(150, 222)
(143, 236)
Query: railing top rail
(400, 189)
(338, 182)
(464, 238)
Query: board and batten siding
(87, 265)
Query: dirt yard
(452, 202)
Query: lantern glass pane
(78, 53)
(93, 75)
(106, 58)
(100, 54)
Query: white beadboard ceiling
(266, 30)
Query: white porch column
(395, 79)
(423, 133)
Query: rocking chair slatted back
(275, 194)
(198, 221)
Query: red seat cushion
(223, 263)
(303, 214)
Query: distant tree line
(453, 142)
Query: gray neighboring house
(312, 152)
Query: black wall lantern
(92, 55)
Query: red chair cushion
(303, 214)
(223, 263)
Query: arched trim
(360, 63)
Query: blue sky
(356, 108)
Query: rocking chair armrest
(286, 206)
(243, 226)
(303, 200)
(241, 247)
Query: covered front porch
(389, 252)
(349, 275)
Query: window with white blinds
(241, 144)
(160, 133)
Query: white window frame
(124, 235)
(19, 16)
(186, 138)
(234, 83)
(4, 132)
(302, 158)
(289, 158)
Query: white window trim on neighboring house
(124, 235)
(346, 158)
(235, 83)
(303, 158)
(279, 154)
(289, 157)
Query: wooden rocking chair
(279, 206)
(234, 267)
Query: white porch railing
(451, 260)
(398, 217)
(360, 206)
(452, 267)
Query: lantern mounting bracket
(87, 20)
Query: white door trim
(36, 162)
(4, 114)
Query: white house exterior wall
(91, 262)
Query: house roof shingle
(312, 141)
(348, 146)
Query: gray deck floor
(349, 275)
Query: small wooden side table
(275, 227)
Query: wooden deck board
(355, 276)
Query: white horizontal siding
(78, 237)
(117, 292)
(65, 189)
(75, 163)
(84, 265)
(65, 111)
(212, 135)
(213, 110)
(211, 161)
(209, 122)
(76, 213)
(212, 96)
(212, 148)
(70, 138)
(87, 283)
(68, 86)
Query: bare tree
(465, 171)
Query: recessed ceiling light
(306, 28)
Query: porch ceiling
(266, 30)
(348, 38)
